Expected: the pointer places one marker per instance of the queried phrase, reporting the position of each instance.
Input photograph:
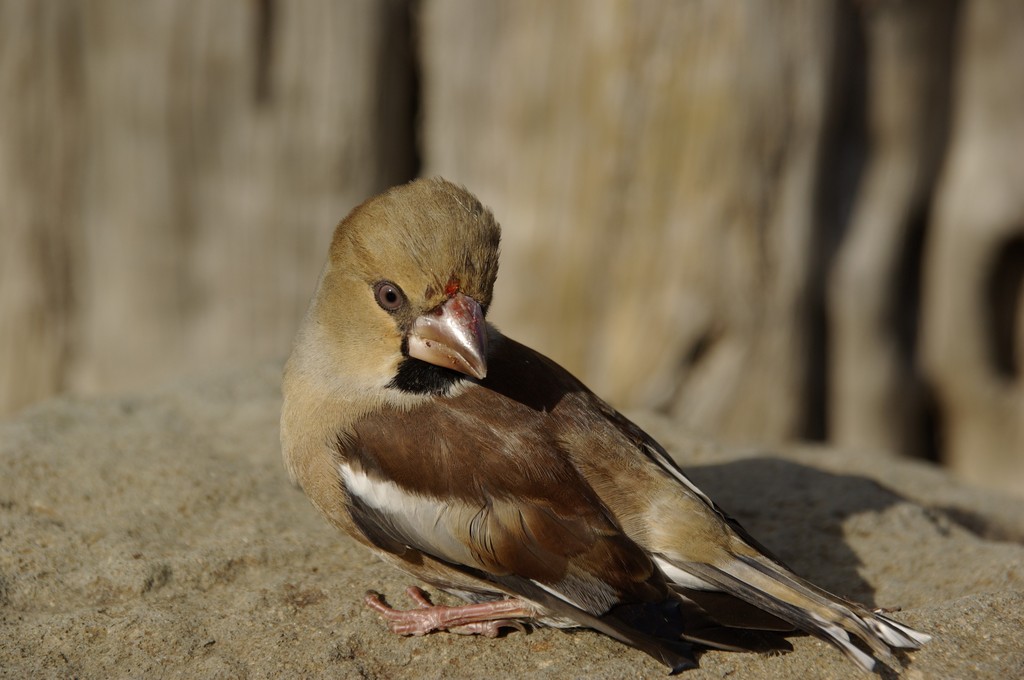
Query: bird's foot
(485, 618)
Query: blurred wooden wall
(800, 219)
(170, 173)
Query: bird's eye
(389, 296)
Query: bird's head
(401, 302)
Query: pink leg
(486, 618)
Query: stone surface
(157, 534)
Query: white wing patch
(381, 494)
(423, 520)
(425, 523)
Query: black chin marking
(419, 377)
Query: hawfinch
(488, 471)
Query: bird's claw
(417, 595)
(486, 618)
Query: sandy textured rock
(158, 535)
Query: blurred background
(773, 221)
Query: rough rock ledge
(157, 535)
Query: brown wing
(491, 482)
(480, 480)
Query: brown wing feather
(510, 462)
(515, 500)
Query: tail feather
(829, 607)
(841, 639)
(895, 633)
(770, 586)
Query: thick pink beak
(453, 336)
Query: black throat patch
(419, 377)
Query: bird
(484, 469)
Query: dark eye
(389, 296)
